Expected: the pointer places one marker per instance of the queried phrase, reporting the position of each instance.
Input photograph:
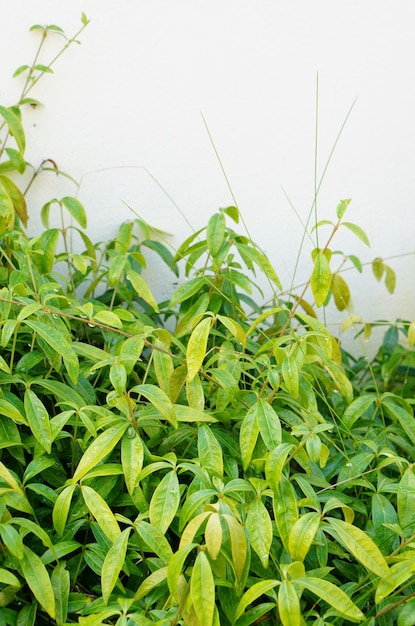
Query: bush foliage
(207, 460)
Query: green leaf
(403, 414)
(118, 378)
(358, 543)
(175, 568)
(61, 508)
(76, 209)
(406, 615)
(320, 278)
(202, 590)
(60, 580)
(159, 399)
(356, 409)
(151, 582)
(185, 323)
(259, 258)
(359, 232)
(342, 207)
(47, 244)
(113, 563)
(302, 535)
(38, 419)
(186, 291)
(289, 604)
(154, 539)
(100, 510)
(215, 233)
(57, 342)
(165, 501)
(196, 347)
(256, 591)
(259, 526)
(141, 288)
(132, 455)
(98, 449)
(38, 580)
(15, 127)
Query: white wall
(131, 96)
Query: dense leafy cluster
(207, 460)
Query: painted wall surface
(123, 114)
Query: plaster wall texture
(126, 114)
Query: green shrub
(207, 460)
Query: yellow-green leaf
(358, 543)
(213, 535)
(359, 232)
(141, 288)
(38, 580)
(165, 501)
(202, 590)
(253, 593)
(399, 573)
(341, 292)
(289, 604)
(60, 580)
(154, 580)
(320, 278)
(238, 544)
(108, 318)
(113, 563)
(302, 535)
(215, 233)
(259, 527)
(275, 464)
(98, 449)
(17, 198)
(248, 436)
(38, 419)
(269, 424)
(209, 450)
(100, 510)
(154, 540)
(132, 456)
(411, 334)
(332, 595)
(61, 508)
(76, 209)
(15, 127)
(196, 347)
